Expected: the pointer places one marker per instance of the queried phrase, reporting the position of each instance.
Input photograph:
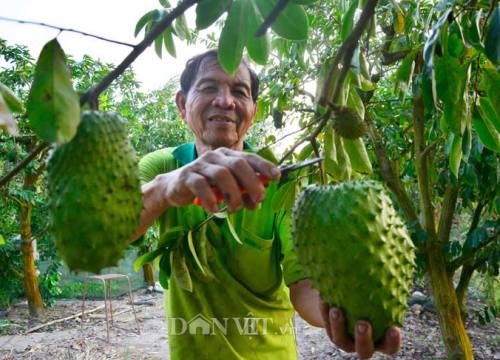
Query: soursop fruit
(95, 198)
(348, 124)
(356, 251)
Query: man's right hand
(226, 169)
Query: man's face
(218, 108)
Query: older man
(246, 310)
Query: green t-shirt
(244, 312)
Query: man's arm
(311, 308)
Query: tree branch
(388, 173)
(273, 15)
(65, 29)
(421, 163)
(345, 54)
(447, 211)
(464, 259)
(389, 58)
(23, 163)
(93, 93)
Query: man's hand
(315, 311)
(335, 326)
(226, 169)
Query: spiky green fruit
(95, 199)
(348, 124)
(356, 251)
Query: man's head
(218, 107)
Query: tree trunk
(149, 277)
(462, 287)
(455, 337)
(35, 303)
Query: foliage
(153, 123)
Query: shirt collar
(187, 152)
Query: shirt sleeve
(292, 270)
(155, 163)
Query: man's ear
(180, 101)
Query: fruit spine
(95, 199)
(356, 251)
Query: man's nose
(224, 99)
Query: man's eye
(209, 89)
(239, 92)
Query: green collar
(187, 152)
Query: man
(248, 308)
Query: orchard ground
(66, 340)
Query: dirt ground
(66, 340)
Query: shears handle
(218, 195)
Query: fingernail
(275, 172)
(393, 333)
(335, 314)
(362, 328)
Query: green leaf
(348, 20)
(488, 137)
(358, 156)
(233, 36)
(305, 152)
(232, 231)
(14, 104)
(491, 83)
(7, 121)
(53, 106)
(208, 11)
(455, 156)
(487, 110)
(492, 40)
(2, 239)
(180, 269)
(159, 45)
(267, 154)
(168, 40)
(143, 259)
(291, 24)
(170, 235)
(404, 74)
(258, 47)
(150, 16)
(340, 168)
(201, 246)
(451, 78)
(262, 109)
(165, 3)
(284, 197)
(193, 252)
(429, 82)
(181, 28)
(165, 269)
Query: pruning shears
(285, 171)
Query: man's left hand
(362, 344)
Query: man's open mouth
(221, 119)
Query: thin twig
(23, 163)
(319, 128)
(138, 50)
(290, 134)
(346, 49)
(66, 29)
(212, 216)
(273, 15)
